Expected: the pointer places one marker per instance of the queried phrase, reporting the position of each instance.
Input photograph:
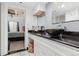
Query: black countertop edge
(56, 40)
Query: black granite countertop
(63, 40)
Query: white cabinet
(46, 47)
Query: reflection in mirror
(16, 29)
(60, 18)
(69, 12)
(13, 26)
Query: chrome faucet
(65, 28)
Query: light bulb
(62, 6)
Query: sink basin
(54, 32)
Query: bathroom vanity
(45, 47)
(60, 35)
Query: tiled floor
(22, 53)
(16, 45)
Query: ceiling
(34, 5)
(58, 8)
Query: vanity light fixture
(15, 12)
(11, 12)
(61, 6)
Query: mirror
(16, 29)
(65, 12)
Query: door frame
(4, 29)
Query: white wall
(29, 22)
(41, 21)
(49, 16)
(30, 19)
(72, 26)
(0, 28)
